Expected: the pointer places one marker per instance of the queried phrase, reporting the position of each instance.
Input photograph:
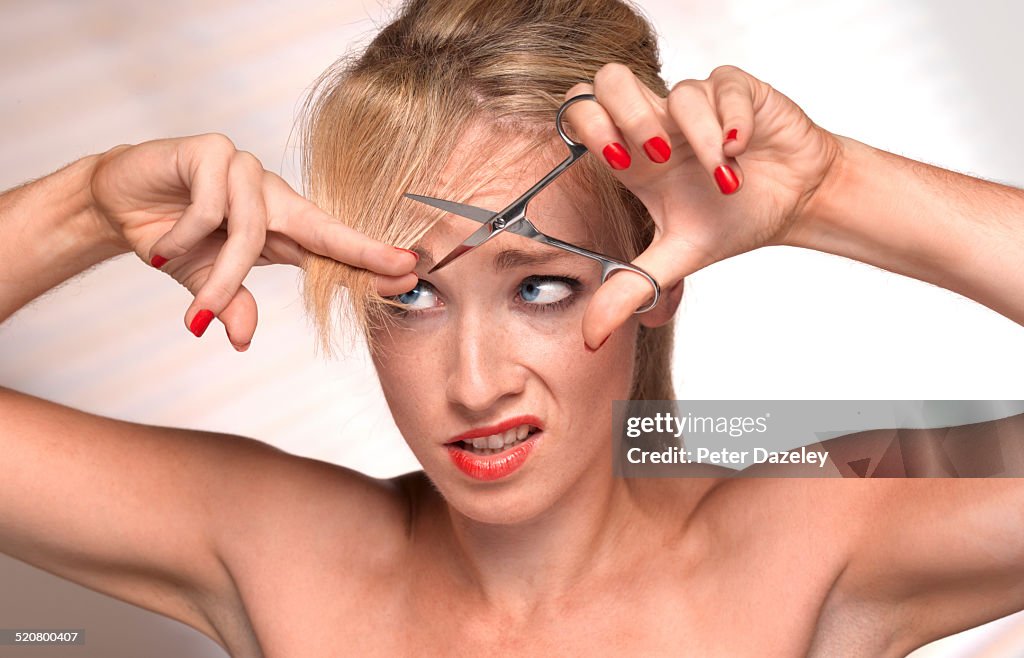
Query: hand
(702, 213)
(167, 200)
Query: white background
(934, 81)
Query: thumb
(240, 317)
(667, 259)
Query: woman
(534, 549)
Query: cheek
(408, 373)
(558, 354)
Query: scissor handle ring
(572, 144)
(607, 269)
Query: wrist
(818, 222)
(82, 234)
(90, 223)
(51, 231)
(871, 207)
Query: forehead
(499, 167)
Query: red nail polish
(731, 136)
(617, 156)
(200, 322)
(409, 251)
(158, 261)
(657, 150)
(726, 179)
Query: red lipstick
(499, 464)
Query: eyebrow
(508, 259)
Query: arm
(160, 517)
(961, 233)
(86, 497)
(50, 232)
(748, 168)
(933, 556)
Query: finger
(596, 129)
(282, 250)
(734, 101)
(240, 318)
(669, 259)
(246, 229)
(320, 233)
(621, 95)
(690, 108)
(203, 164)
(388, 286)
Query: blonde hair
(384, 121)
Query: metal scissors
(513, 218)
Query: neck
(518, 567)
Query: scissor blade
(478, 237)
(461, 209)
(469, 212)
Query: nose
(483, 363)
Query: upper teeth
(496, 441)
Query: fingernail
(657, 150)
(617, 156)
(241, 348)
(409, 251)
(158, 261)
(726, 179)
(731, 136)
(200, 322)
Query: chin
(517, 499)
(509, 506)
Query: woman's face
(493, 343)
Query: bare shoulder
(900, 556)
(190, 524)
(802, 530)
(283, 502)
(298, 534)
(736, 506)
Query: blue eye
(419, 298)
(548, 291)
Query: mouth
(510, 428)
(495, 444)
(490, 453)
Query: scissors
(513, 218)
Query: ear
(666, 308)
